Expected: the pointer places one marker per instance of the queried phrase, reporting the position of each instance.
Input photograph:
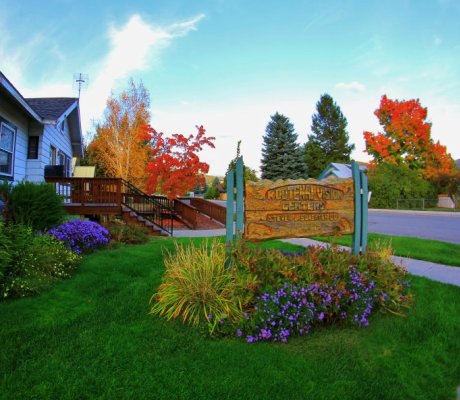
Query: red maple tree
(174, 166)
(406, 139)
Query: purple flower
(81, 236)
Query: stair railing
(157, 211)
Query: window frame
(11, 127)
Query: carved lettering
(305, 192)
(298, 208)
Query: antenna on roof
(80, 81)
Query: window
(32, 148)
(61, 158)
(7, 137)
(68, 166)
(53, 155)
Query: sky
(230, 64)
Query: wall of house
(35, 168)
(59, 138)
(20, 121)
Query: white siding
(35, 168)
(49, 135)
(20, 121)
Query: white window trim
(13, 152)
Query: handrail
(150, 208)
(188, 214)
(213, 210)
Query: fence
(420, 204)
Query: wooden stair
(132, 218)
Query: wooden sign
(298, 208)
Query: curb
(414, 212)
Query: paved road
(424, 224)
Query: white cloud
(353, 86)
(134, 46)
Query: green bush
(389, 183)
(30, 263)
(212, 193)
(35, 205)
(125, 233)
(198, 287)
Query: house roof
(51, 108)
(11, 92)
(340, 170)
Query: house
(35, 133)
(339, 170)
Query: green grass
(420, 249)
(92, 337)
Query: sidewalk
(433, 271)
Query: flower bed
(279, 294)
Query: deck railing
(187, 213)
(114, 192)
(213, 210)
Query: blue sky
(229, 65)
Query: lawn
(420, 249)
(92, 337)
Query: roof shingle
(51, 107)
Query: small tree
(282, 157)
(406, 140)
(174, 166)
(118, 148)
(329, 139)
(213, 190)
(248, 173)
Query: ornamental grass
(197, 287)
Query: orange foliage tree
(406, 139)
(119, 148)
(174, 166)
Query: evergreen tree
(281, 155)
(329, 139)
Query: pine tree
(329, 139)
(282, 156)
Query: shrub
(198, 287)
(32, 262)
(81, 236)
(389, 183)
(35, 205)
(125, 233)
